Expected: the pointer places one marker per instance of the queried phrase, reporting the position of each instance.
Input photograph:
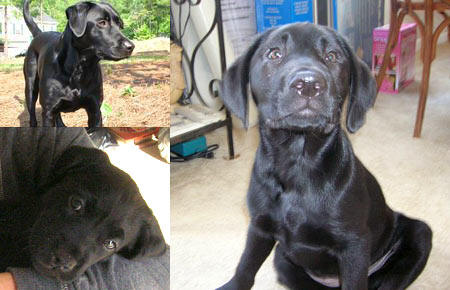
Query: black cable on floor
(208, 154)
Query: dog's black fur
(64, 70)
(74, 221)
(309, 194)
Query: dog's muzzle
(128, 46)
(308, 83)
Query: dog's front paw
(236, 284)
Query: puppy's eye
(274, 53)
(102, 23)
(332, 56)
(110, 245)
(76, 204)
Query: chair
(399, 9)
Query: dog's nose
(62, 261)
(308, 83)
(128, 45)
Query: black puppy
(64, 68)
(309, 194)
(88, 211)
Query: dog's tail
(35, 30)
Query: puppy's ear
(363, 90)
(78, 158)
(233, 88)
(77, 16)
(149, 241)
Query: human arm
(7, 281)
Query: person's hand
(7, 281)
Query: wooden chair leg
(427, 59)
(448, 27)
(394, 29)
(423, 94)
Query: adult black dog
(88, 211)
(309, 193)
(64, 68)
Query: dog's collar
(333, 281)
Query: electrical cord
(208, 154)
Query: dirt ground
(137, 92)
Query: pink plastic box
(401, 71)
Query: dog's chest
(304, 221)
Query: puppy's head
(90, 211)
(299, 76)
(96, 26)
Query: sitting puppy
(64, 68)
(89, 211)
(309, 194)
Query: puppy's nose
(128, 45)
(308, 83)
(62, 261)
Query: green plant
(129, 91)
(106, 110)
(2, 41)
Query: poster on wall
(356, 20)
(239, 21)
(270, 13)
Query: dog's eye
(274, 53)
(102, 23)
(110, 244)
(76, 204)
(332, 56)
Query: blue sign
(271, 13)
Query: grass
(16, 64)
(137, 58)
(10, 65)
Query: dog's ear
(77, 16)
(149, 240)
(78, 158)
(233, 88)
(363, 91)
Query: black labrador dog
(64, 68)
(89, 211)
(309, 194)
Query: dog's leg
(293, 276)
(48, 119)
(94, 113)
(409, 260)
(59, 121)
(257, 248)
(31, 85)
(353, 263)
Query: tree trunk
(42, 22)
(6, 31)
